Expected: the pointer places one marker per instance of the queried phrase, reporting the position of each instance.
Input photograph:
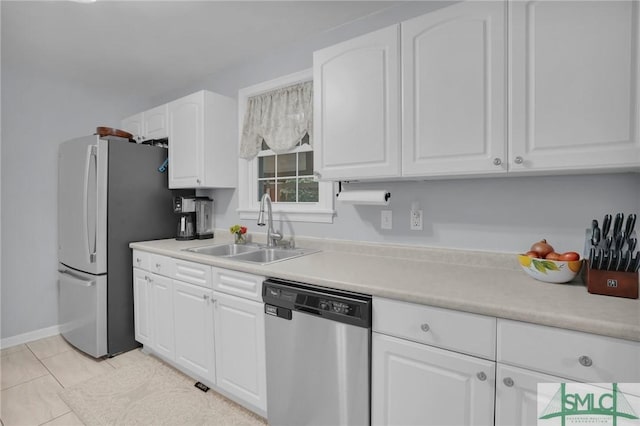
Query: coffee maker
(204, 218)
(186, 208)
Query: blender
(204, 218)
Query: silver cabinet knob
(205, 296)
(481, 376)
(198, 181)
(585, 361)
(508, 381)
(158, 265)
(425, 327)
(146, 278)
(497, 161)
(138, 260)
(518, 160)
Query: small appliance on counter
(204, 218)
(186, 208)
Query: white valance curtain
(281, 117)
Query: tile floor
(32, 374)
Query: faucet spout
(272, 236)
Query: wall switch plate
(386, 219)
(415, 220)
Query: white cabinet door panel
(357, 107)
(517, 395)
(142, 307)
(415, 384)
(574, 81)
(186, 141)
(454, 90)
(155, 122)
(162, 315)
(193, 323)
(240, 359)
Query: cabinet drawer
(236, 283)
(141, 259)
(161, 265)
(566, 353)
(194, 273)
(459, 331)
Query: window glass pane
(286, 191)
(267, 186)
(286, 165)
(305, 163)
(307, 191)
(267, 167)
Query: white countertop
(485, 283)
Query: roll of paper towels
(365, 197)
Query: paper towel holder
(387, 195)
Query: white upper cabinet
(151, 124)
(202, 141)
(454, 91)
(357, 107)
(574, 85)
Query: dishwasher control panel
(283, 297)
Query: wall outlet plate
(415, 220)
(386, 219)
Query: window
(287, 176)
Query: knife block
(611, 283)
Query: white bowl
(550, 271)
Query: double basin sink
(253, 253)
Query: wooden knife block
(611, 283)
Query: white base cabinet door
(574, 85)
(193, 322)
(356, 108)
(162, 315)
(517, 393)
(240, 358)
(415, 384)
(142, 307)
(454, 91)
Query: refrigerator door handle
(91, 159)
(76, 280)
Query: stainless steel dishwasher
(318, 344)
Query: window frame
(248, 206)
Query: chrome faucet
(272, 236)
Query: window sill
(315, 216)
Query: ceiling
(157, 46)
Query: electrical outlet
(386, 219)
(415, 220)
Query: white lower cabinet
(193, 327)
(416, 384)
(517, 393)
(240, 358)
(423, 372)
(216, 337)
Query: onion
(542, 248)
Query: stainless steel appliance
(318, 355)
(110, 193)
(186, 208)
(204, 218)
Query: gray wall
(38, 114)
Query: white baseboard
(29, 337)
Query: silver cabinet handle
(425, 327)
(508, 381)
(497, 161)
(518, 160)
(585, 361)
(481, 376)
(158, 265)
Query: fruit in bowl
(544, 264)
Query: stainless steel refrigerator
(110, 193)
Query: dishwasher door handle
(278, 311)
(308, 310)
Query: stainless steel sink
(225, 249)
(270, 255)
(253, 253)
